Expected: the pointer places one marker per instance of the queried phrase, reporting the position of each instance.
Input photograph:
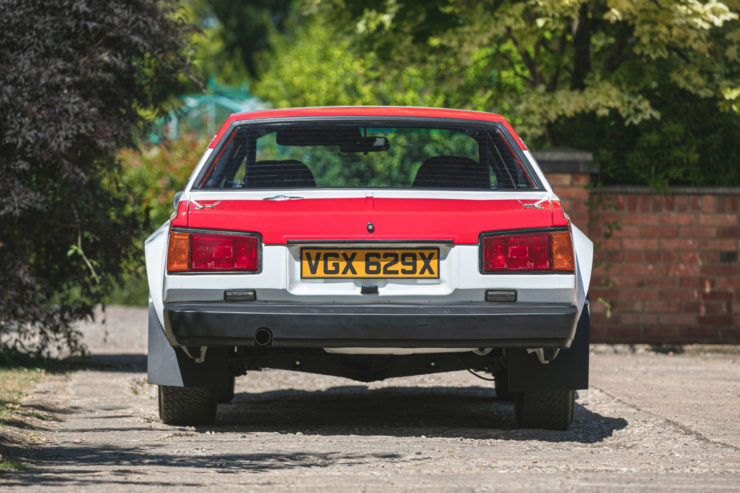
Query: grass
(14, 417)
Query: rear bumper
(371, 325)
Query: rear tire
(225, 393)
(187, 406)
(549, 410)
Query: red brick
(678, 244)
(695, 203)
(671, 257)
(603, 293)
(640, 269)
(577, 206)
(641, 218)
(597, 308)
(653, 256)
(677, 318)
(634, 256)
(638, 294)
(702, 307)
(681, 270)
(733, 204)
(728, 283)
(559, 179)
(669, 203)
(707, 203)
(631, 334)
(696, 283)
(606, 269)
(718, 219)
(610, 217)
(697, 232)
(725, 296)
(661, 282)
(628, 306)
(628, 281)
(662, 333)
(644, 203)
(581, 179)
(572, 193)
(682, 203)
(611, 244)
(720, 204)
(679, 294)
(728, 232)
(663, 306)
(598, 334)
(701, 332)
(638, 319)
(723, 245)
(627, 231)
(709, 257)
(716, 320)
(674, 218)
(730, 334)
(691, 257)
(640, 244)
(659, 231)
(719, 270)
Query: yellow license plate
(409, 263)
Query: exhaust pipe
(263, 337)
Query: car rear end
(368, 243)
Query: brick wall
(670, 273)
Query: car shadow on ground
(451, 412)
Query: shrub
(76, 78)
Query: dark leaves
(73, 76)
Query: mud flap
(170, 366)
(569, 371)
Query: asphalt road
(649, 421)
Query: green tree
(76, 79)
(559, 70)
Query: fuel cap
(370, 227)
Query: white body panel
(460, 279)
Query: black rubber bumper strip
(372, 325)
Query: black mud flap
(170, 366)
(569, 371)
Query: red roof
(407, 111)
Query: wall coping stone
(631, 190)
(564, 160)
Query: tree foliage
(76, 78)
(560, 70)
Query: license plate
(409, 263)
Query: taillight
(540, 251)
(205, 252)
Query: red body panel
(460, 221)
(404, 111)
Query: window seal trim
(537, 185)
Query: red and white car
(368, 243)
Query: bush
(154, 174)
(76, 78)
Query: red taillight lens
(212, 252)
(528, 252)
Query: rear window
(352, 155)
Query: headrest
(289, 173)
(452, 172)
